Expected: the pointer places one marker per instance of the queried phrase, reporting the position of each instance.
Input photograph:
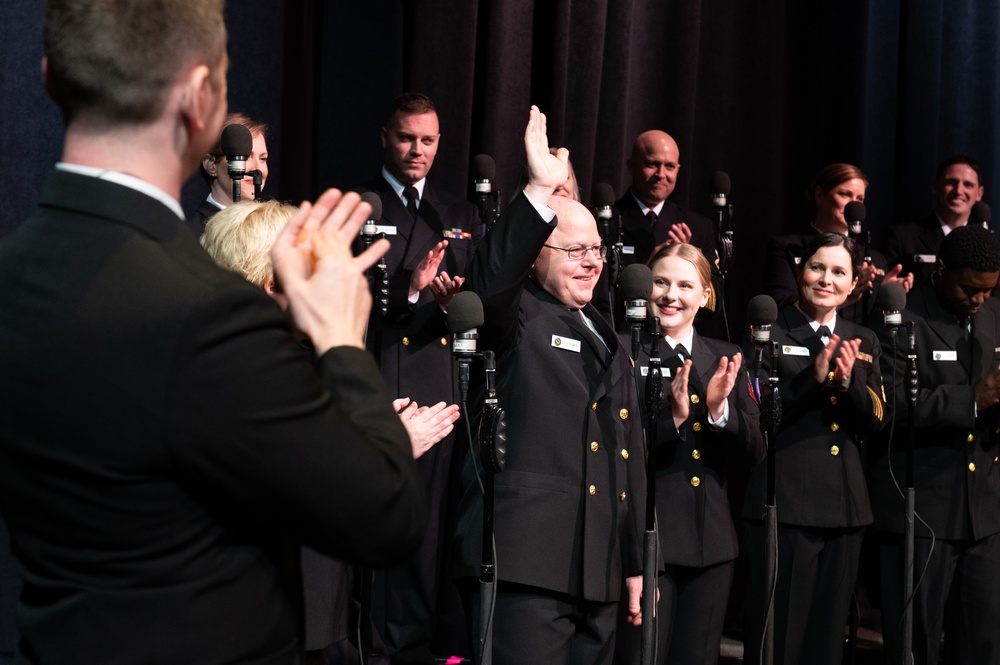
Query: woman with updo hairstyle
(708, 427)
(826, 197)
(831, 399)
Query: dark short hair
(832, 240)
(410, 103)
(959, 159)
(970, 246)
(114, 62)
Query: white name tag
(795, 350)
(945, 356)
(628, 249)
(388, 230)
(924, 258)
(566, 343)
(644, 371)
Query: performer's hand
(721, 384)
(865, 279)
(444, 288)
(545, 170)
(425, 425)
(680, 407)
(634, 586)
(426, 270)
(845, 362)
(892, 277)
(822, 364)
(679, 232)
(328, 293)
(988, 390)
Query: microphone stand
(912, 385)
(488, 205)
(654, 398)
(492, 454)
(258, 183)
(770, 418)
(724, 238)
(237, 187)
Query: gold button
(694, 399)
(696, 427)
(623, 414)
(829, 377)
(593, 490)
(593, 446)
(834, 427)
(834, 450)
(695, 481)
(833, 399)
(972, 466)
(621, 497)
(970, 438)
(444, 341)
(593, 407)
(624, 454)
(406, 341)
(696, 454)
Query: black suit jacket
(199, 218)
(957, 475)
(693, 516)
(165, 443)
(820, 480)
(781, 272)
(569, 503)
(413, 342)
(915, 245)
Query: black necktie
(824, 332)
(681, 352)
(651, 218)
(412, 196)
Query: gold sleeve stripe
(876, 403)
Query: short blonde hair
(240, 237)
(692, 255)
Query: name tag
(566, 343)
(944, 356)
(795, 351)
(924, 258)
(387, 229)
(628, 249)
(665, 371)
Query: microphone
(892, 300)
(484, 170)
(237, 144)
(378, 275)
(854, 213)
(604, 199)
(465, 315)
(636, 288)
(980, 214)
(369, 232)
(761, 313)
(720, 186)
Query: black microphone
(237, 144)
(892, 300)
(378, 275)
(854, 214)
(465, 315)
(484, 170)
(980, 214)
(720, 186)
(604, 199)
(761, 313)
(636, 288)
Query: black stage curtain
(769, 92)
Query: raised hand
(426, 270)
(680, 408)
(545, 170)
(721, 384)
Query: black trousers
(959, 594)
(817, 569)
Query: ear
(269, 286)
(199, 99)
(706, 296)
(210, 165)
(384, 136)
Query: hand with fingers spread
(546, 171)
(721, 384)
(679, 233)
(679, 405)
(845, 361)
(445, 287)
(893, 276)
(328, 294)
(426, 270)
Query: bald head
(654, 164)
(570, 281)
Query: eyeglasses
(577, 253)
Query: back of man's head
(113, 62)
(972, 247)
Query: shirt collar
(645, 208)
(398, 187)
(125, 180)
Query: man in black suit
(957, 187)
(165, 444)
(649, 219)
(569, 502)
(957, 474)
(434, 241)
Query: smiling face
(830, 205)
(411, 143)
(956, 192)
(653, 165)
(678, 294)
(825, 281)
(222, 185)
(569, 281)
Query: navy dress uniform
(820, 493)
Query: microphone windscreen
(721, 183)
(604, 195)
(236, 141)
(892, 297)
(375, 201)
(854, 211)
(465, 312)
(483, 168)
(980, 213)
(636, 283)
(762, 311)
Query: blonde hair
(692, 255)
(240, 237)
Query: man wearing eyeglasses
(569, 502)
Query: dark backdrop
(768, 91)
